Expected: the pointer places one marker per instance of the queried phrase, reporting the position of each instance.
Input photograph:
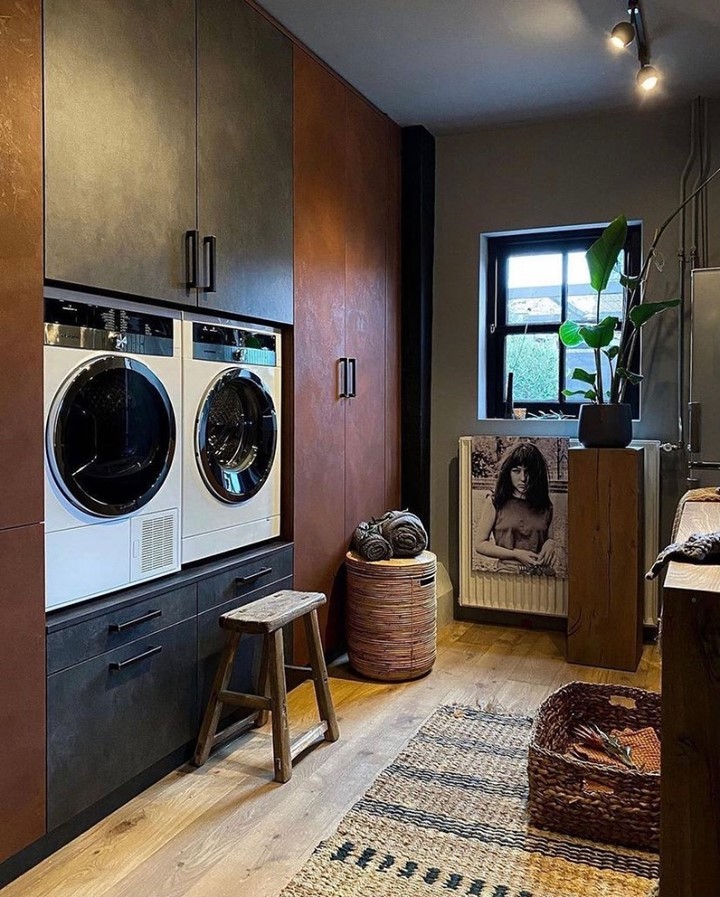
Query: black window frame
(497, 328)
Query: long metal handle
(192, 244)
(120, 665)
(352, 378)
(342, 378)
(210, 257)
(251, 577)
(694, 427)
(121, 627)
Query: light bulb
(647, 77)
(622, 34)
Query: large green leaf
(589, 394)
(585, 376)
(596, 336)
(639, 314)
(570, 334)
(602, 256)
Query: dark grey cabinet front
(120, 121)
(244, 162)
(112, 717)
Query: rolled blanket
(369, 542)
(698, 548)
(405, 533)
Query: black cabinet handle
(121, 627)
(120, 665)
(192, 245)
(352, 389)
(210, 255)
(343, 375)
(251, 577)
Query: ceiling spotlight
(623, 34)
(647, 77)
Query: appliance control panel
(216, 342)
(81, 325)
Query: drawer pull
(251, 577)
(120, 665)
(121, 627)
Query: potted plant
(606, 421)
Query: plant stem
(598, 368)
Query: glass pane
(534, 359)
(582, 300)
(582, 357)
(534, 288)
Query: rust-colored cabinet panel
(22, 688)
(319, 332)
(345, 426)
(21, 223)
(365, 284)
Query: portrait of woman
(514, 519)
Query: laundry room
(360, 460)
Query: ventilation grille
(157, 543)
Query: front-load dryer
(113, 459)
(231, 405)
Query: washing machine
(113, 459)
(231, 429)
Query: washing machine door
(111, 436)
(236, 435)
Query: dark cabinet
(113, 716)
(120, 144)
(244, 162)
(169, 153)
(345, 339)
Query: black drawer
(211, 640)
(112, 717)
(237, 582)
(81, 641)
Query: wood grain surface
(605, 555)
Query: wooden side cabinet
(605, 556)
(690, 784)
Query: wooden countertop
(697, 517)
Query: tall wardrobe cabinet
(345, 421)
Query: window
(535, 282)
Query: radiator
(546, 594)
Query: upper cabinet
(244, 162)
(120, 144)
(169, 153)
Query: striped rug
(448, 817)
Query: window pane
(582, 357)
(534, 286)
(535, 360)
(582, 299)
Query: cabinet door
(120, 144)
(318, 424)
(22, 688)
(245, 161)
(365, 278)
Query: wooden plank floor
(227, 830)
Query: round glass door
(111, 439)
(236, 436)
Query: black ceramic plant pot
(605, 426)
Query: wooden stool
(267, 616)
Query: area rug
(448, 817)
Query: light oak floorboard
(228, 830)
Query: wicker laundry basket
(391, 616)
(593, 800)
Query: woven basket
(592, 800)
(391, 616)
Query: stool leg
(278, 696)
(214, 707)
(262, 716)
(320, 676)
